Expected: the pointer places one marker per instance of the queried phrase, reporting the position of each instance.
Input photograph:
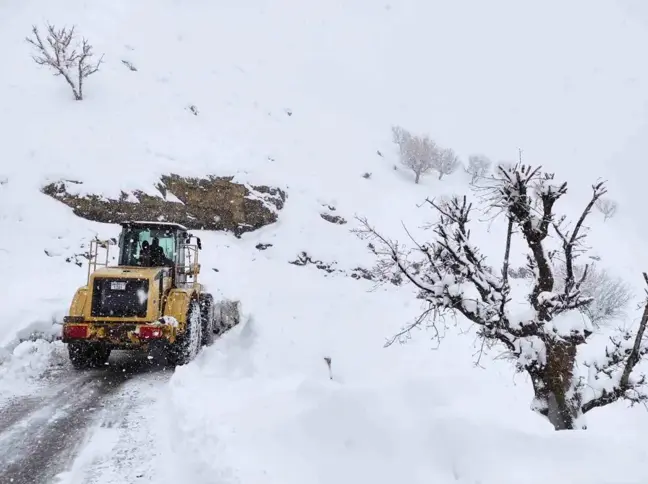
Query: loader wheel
(207, 318)
(84, 356)
(187, 346)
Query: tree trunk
(552, 383)
(418, 176)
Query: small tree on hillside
(478, 167)
(417, 153)
(422, 155)
(610, 295)
(607, 207)
(73, 64)
(446, 162)
(451, 275)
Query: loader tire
(188, 344)
(207, 318)
(84, 356)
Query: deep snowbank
(25, 365)
(433, 422)
(259, 406)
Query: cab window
(135, 238)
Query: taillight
(150, 332)
(75, 331)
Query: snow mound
(47, 330)
(28, 363)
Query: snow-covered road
(84, 427)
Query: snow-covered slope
(301, 95)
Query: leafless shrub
(130, 65)
(478, 167)
(607, 207)
(72, 64)
(610, 295)
(328, 361)
(446, 162)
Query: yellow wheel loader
(150, 301)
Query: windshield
(148, 247)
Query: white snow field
(301, 95)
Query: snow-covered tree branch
(611, 377)
(72, 64)
(452, 276)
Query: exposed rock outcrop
(211, 203)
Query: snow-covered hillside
(302, 95)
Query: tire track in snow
(17, 409)
(40, 436)
(125, 444)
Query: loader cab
(171, 241)
(165, 239)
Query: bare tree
(478, 167)
(452, 277)
(610, 295)
(72, 64)
(421, 154)
(607, 207)
(446, 162)
(416, 152)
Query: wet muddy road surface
(41, 434)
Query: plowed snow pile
(28, 363)
(301, 95)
